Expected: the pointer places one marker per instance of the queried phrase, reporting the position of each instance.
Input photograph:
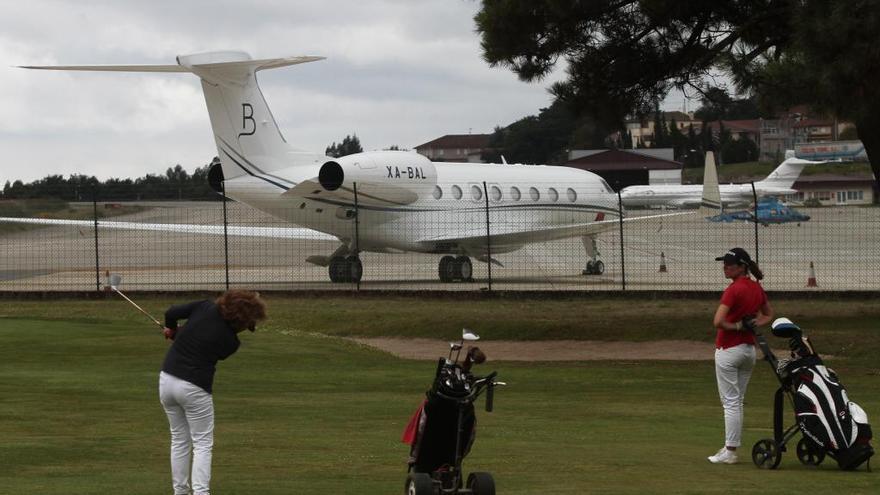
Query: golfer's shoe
(723, 456)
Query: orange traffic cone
(811, 280)
(662, 263)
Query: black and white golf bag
(828, 420)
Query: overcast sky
(398, 72)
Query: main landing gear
(454, 269)
(346, 269)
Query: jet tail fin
(248, 138)
(785, 175)
(710, 204)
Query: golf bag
(829, 422)
(443, 428)
(438, 433)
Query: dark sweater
(205, 339)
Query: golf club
(115, 280)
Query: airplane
(778, 183)
(769, 211)
(380, 201)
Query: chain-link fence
(467, 236)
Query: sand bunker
(553, 350)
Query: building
(455, 148)
(832, 189)
(738, 129)
(842, 150)
(621, 168)
(642, 129)
(793, 129)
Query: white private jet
(778, 183)
(380, 201)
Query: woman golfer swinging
(743, 307)
(185, 382)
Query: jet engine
(215, 176)
(393, 177)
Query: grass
(301, 411)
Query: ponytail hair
(754, 270)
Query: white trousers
(733, 368)
(190, 412)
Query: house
(748, 128)
(455, 148)
(833, 189)
(621, 168)
(642, 129)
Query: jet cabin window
(456, 192)
(534, 194)
(515, 194)
(554, 196)
(572, 195)
(495, 193)
(476, 193)
(438, 193)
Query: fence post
(225, 232)
(97, 261)
(488, 239)
(357, 233)
(620, 221)
(755, 197)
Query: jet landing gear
(594, 264)
(594, 268)
(453, 269)
(346, 270)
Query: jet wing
(236, 230)
(515, 234)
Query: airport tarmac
(843, 243)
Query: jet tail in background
(785, 175)
(710, 203)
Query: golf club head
(115, 280)
(469, 335)
(453, 346)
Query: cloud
(397, 72)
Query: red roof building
(621, 168)
(455, 148)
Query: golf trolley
(830, 423)
(443, 428)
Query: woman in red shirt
(743, 307)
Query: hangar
(621, 168)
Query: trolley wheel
(418, 484)
(809, 453)
(766, 454)
(481, 484)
